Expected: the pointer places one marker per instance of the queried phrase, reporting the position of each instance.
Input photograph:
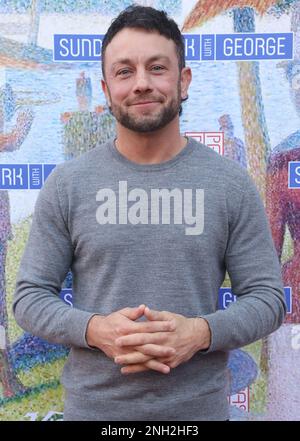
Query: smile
(146, 103)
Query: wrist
(92, 331)
(203, 334)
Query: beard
(148, 122)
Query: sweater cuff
(75, 327)
(218, 324)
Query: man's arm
(255, 275)
(46, 260)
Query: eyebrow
(128, 60)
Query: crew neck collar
(151, 167)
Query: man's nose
(142, 83)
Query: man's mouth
(144, 103)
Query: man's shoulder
(86, 161)
(220, 167)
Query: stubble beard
(148, 122)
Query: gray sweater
(163, 235)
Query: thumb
(133, 313)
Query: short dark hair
(145, 17)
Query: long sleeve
(46, 260)
(255, 274)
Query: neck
(151, 147)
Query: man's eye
(157, 68)
(123, 72)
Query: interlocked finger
(141, 339)
(151, 364)
(156, 350)
(132, 358)
(155, 326)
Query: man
(151, 219)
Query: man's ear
(186, 78)
(104, 88)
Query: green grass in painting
(42, 381)
(44, 394)
(15, 250)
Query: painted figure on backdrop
(83, 129)
(9, 142)
(84, 91)
(234, 148)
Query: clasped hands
(162, 342)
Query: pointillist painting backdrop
(53, 111)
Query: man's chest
(121, 216)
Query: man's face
(143, 86)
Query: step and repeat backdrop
(244, 102)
